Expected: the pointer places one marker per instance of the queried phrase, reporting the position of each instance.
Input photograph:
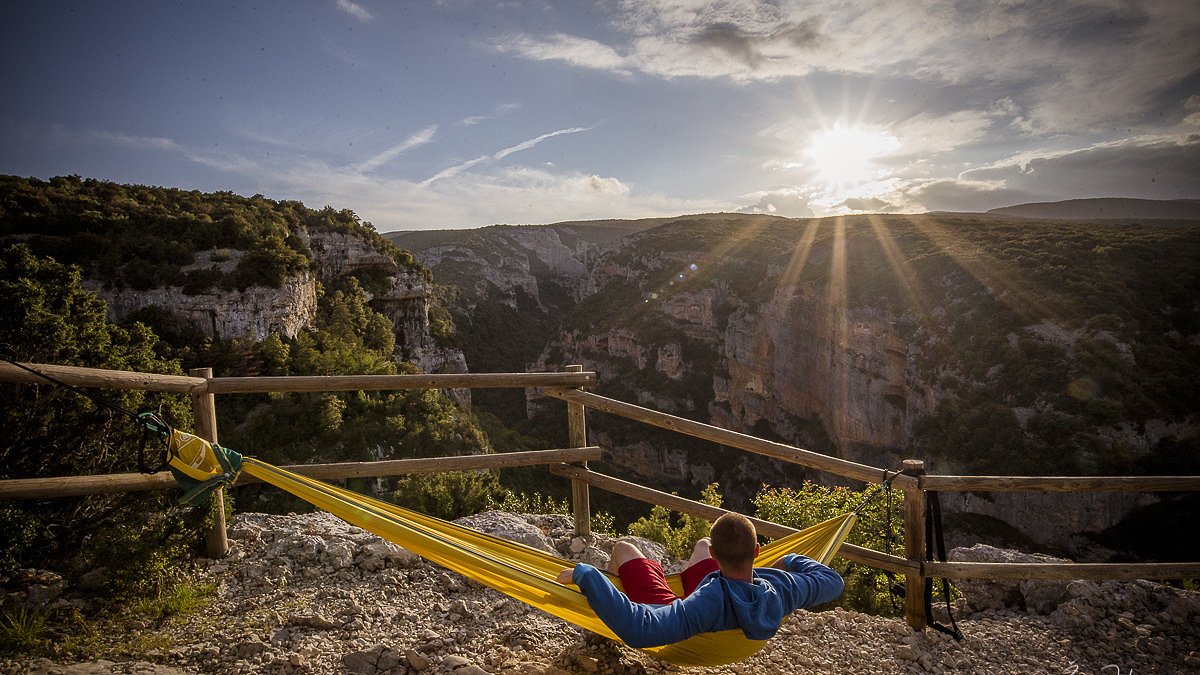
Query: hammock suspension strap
(933, 536)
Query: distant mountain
(1118, 208)
(591, 232)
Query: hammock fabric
(517, 570)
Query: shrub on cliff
(880, 527)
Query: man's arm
(641, 625)
(813, 583)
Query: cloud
(1151, 167)
(573, 50)
(418, 139)
(355, 10)
(786, 201)
(136, 142)
(873, 204)
(452, 171)
(1070, 66)
(525, 145)
(499, 110)
(515, 195)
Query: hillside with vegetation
(144, 237)
(58, 236)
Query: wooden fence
(571, 463)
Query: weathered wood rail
(571, 463)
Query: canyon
(854, 337)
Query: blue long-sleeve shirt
(719, 603)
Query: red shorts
(645, 582)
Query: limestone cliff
(403, 296)
(257, 311)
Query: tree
(46, 430)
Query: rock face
(255, 312)
(259, 310)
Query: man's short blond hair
(733, 539)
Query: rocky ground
(311, 594)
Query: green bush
(449, 495)
(880, 527)
(20, 532)
(602, 522)
(678, 532)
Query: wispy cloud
(136, 142)
(355, 10)
(420, 138)
(498, 111)
(576, 51)
(524, 145)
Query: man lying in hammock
(722, 589)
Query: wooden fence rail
(1060, 483)
(734, 439)
(76, 486)
(120, 379)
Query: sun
(844, 156)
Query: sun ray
(800, 253)
(838, 315)
(909, 282)
(1009, 287)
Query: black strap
(895, 588)
(885, 485)
(98, 400)
(154, 426)
(933, 537)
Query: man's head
(734, 542)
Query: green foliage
(140, 237)
(48, 318)
(144, 549)
(22, 630)
(524, 502)
(449, 495)
(51, 431)
(879, 527)
(536, 502)
(678, 532)
(20, 531)
(178, 599)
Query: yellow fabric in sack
(517, 570)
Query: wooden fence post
(914, 548)
(577, 437)
(205, 409)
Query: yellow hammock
(517, 570)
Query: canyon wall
(691, 319)
(255, 312)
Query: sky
(465, 113)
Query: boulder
(1037, 596)
(508, 526)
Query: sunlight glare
(844, 155)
